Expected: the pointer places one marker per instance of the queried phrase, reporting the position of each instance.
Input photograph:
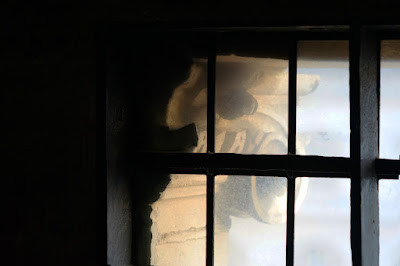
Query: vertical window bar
(290, 221)
(292, 97)
(210, 149)
(355, 146)
(210, 221)
(291, 150)
(364, 89)
(211, 100)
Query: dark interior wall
(257, 12)
(50, 189)
(48, 143)
(142, 71)
(119, 195)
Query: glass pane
(389, 222)
(170, 97)
(323, 110)
(389, 135)
(250, 220)
(179, 223)
(251, 104)
(389, 148)
(322, 224)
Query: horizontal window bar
(237, 33)
(301, 29)
(271, 165)
(387, 169)
(224, 163)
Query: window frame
(364, 48)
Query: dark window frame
(364, 44)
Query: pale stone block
(175, 215)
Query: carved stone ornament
(251, 118)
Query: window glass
(250, 220)
(323, 111)
(389, 148)
(389, 135)
(252, 100)
(389, 222)
(186, 116)
(322, 224)
(179, 222)
(168, 83)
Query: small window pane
(323, 111)
(250, 220)
(179, 223)
(251, 104)
(389, 136)
(322, 223)
(169, 88)
(389, 148)
(389, 222)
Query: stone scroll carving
(251, 118)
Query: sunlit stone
(251, 118)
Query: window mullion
(364, 147)
(292, 98)
(211, 72)
(210, 220)
(291, 151)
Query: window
(223, 113)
